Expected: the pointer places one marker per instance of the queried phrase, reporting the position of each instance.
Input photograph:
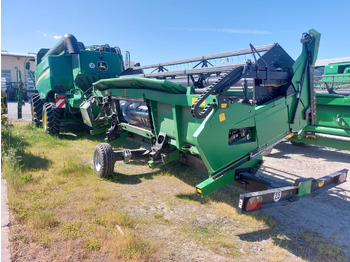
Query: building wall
(13, 62)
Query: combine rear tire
(36, 105)
(104, 160)
(51, 119)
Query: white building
(11, 65)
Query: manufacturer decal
(277, 196)
(102, 65)
(92, 65)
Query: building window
(5, 77)
(30, 84)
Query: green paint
(59, 72)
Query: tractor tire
(51, 119)
(36, 105)
(104, 160)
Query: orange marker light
(254, 203)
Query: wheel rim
(44, 121)
(97, 161)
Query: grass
(138, 214)
(319, 248)
(71, 230)
(56, 196)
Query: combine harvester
(64, 77)
(220, 117)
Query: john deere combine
(223, 117)
(64, 77)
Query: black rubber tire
(104, 160)
(51, 119)
(36, 105)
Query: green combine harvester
(332, 125)
(217, 118)
(64, 77)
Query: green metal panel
(91, 66)
(53, 71)
(143, 83)
(333, 111)
(212, 136)
(297, 81)
(333, 118)
(272, 122)
(210, 185)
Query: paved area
(13, 111)
(5, 223)
(5, 215)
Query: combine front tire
(36, 105)
(103, 160)
(51, 119)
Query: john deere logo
(102, 66)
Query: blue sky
(158, 31)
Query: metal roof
(324, 62)
(5, 53)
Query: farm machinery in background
(218, 118)
(64, 77)
(332, 126)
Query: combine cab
(64, 77)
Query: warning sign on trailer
(60, 103)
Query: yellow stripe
(44, 74)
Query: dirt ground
(326, 212)
(170, 206)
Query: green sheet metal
(140, 83)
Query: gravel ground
(326, 212)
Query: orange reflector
(254, 203)
(342, 178)
(321, 183)
(101, 48)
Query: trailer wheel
(36, 105)
(104, 160)
(51, 119)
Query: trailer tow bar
(255, 200)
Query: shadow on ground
(291, 239)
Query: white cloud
(228, 30)
(49, 35)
